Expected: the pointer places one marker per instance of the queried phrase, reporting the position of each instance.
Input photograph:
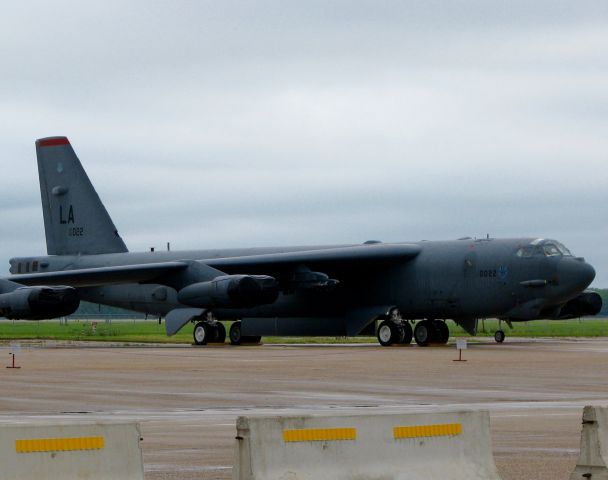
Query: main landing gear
(394, 330)
(237, 339)
(209, 332)
(431, 331)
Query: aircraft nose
(575, 273)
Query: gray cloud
(213, 124)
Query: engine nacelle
(231, 291)
(587, 303)
(38, 303)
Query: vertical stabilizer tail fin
(75, 220)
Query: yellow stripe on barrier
(59, 444)
(319, 434)
(438, 430)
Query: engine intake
(231, 291)
(39, 303)
(587, 303)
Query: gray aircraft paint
(462, 279)
(75, 220)
(19, 302)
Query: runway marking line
(319, 434)
(59, 444)
(418, 431)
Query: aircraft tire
(202, 333)
(443, 332)
(423, 333)
(499, 336)
(408, 334)
(220, 333)
(235, 333)
(387, 333)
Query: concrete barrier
(92, 451)
(593, 459)
(413, 446)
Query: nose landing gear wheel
(201, 334)
(499, 336)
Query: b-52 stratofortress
(397, 291)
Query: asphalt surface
(187, 398)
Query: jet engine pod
(39, 303)
(231, 291)
(587, 303)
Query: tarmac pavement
(187, 398)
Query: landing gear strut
(394, 330)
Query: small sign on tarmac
(461, 344)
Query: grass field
(151, 332)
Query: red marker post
(14, 349)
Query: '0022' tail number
(76, 232)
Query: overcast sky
(217, 124)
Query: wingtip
(52, 141)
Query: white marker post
(14, 348)
(461, 344)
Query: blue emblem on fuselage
(503, 272)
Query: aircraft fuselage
(447, 279)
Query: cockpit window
(530, 251)
(551, 250)
(563, 249)
(543, 248)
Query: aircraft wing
(353, 255)
(349, 257)
(88, 277)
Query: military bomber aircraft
(397, 291)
